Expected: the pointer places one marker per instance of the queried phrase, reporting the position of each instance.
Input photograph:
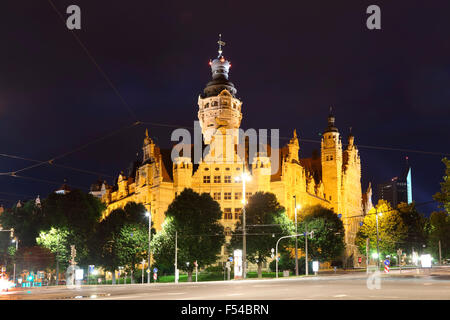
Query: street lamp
(296, 207)
(17, 244)
(149, 215)
(244, 177)
(378, 248)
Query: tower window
(215, 103)
(227, 232)
(328, 158)
(206, 179)
(238, 196)
(217, 196)
(227, 179)
(227, 196)
(207, 105)
(217, 179)
(331, 158)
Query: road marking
(234, 294)
(173, 293)
(427, 284)
(193, 298)
(340, 295)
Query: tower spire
(220, 43)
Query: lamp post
(14, 272)
(296, 238)
(143, 261)
(149, 215)
(378, 247)
(243, 177)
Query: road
(429, 284)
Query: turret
(218, 105)
(148, 148)
(331, 158)
(182, 174)
(293, 148)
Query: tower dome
(220, 68)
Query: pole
(196, 271)
(378, 247)
(176, 249)
(296, 238)
(440, 255)
(17, 243)
(306, 249)
(244, 236)
(367, 254)
(276, 251)
(143, 271)
(149, 240)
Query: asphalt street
(409, 285)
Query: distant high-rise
(398, 190)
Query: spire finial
(331, 111)
(220, 43)
(350, 130)
(295, 133)
(146, 133)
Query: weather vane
(221, 43)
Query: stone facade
(332, 179)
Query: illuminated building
(332, 179)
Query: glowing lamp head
(147, 214)
(375, 255)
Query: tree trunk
(189, 276)
(259, 269)
(114, 276)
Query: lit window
(248, 195)
(206, 179)
(227, 179)
(207, 105)
(238, 196)
(217, 196)
(227, 215)
(217, 179)
(227, 196)
(227, 232)
(237, 213)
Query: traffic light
(359, 259)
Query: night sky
(291, 61)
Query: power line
(110, 83)
(52, 164)
(43, 180)
(51, 161)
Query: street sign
(361, 224)
(339, 215)
(386, 268)
(91, 268)
(387, 262)
(230, 259)
(359, 259)
(155, 275)
(155, 270)
(315, 266)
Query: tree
(121, 238)
(327, 242)
(195, 217)
(444, 196)
(439, 231)
(57, 240)
(76, 212)
(391, 229)
(26, 220)
(132, 243)
(266, 222)
(34, 258)
(415, 224)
